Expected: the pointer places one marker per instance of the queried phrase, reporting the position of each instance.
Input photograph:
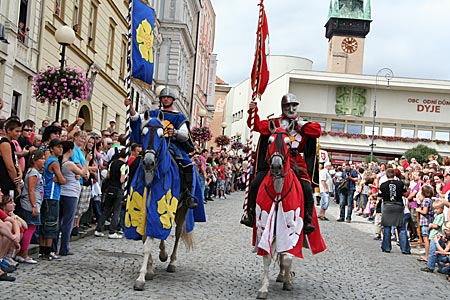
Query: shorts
(28, 217)
(220, 184)
(424, 230)
(324, 200)
(49, 228)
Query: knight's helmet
(289, 99)
(168, 92)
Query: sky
(411, 37)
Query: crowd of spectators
(51, 187)
(425, 201)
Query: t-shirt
(38, 191)
(51, 189)
(78, 158)
(117, 168)
(438, 220)
(392, 191)
(325, 175)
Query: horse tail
(188, 238)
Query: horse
(154, 205)
(280, 212)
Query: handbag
(343, 187)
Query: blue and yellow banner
(143, 22)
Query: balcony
(26, 55)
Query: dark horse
(154, 204)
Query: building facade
(19, 56)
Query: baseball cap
(54, 142)
(112, 120)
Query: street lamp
(388, 74)
(202, 114)
(65, 36)
(224, 125)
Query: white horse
(155, 190)
(279, 212)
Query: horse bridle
(277, 153)
(156, 152)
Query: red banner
(260, 71)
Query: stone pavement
(223, 267)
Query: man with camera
(346, 190)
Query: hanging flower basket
(222, 140)
(52, 84)
(237, 146)
(201, 134)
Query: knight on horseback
(303, 139)
(176, 126)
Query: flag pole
(128, 82)
(255, 95)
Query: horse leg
(150, 273)
(280, 277)
(287, 265)
(264, 290)
(140, 281)
(171, 268)
(162, 251)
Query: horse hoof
(163, 257)
(287, 286)
(149, 276)
(139, 285)
(171, 269)
(262, 295)
(280, 278)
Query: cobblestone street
(223, 267)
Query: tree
(420, 153)
(374, 159)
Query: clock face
(349, 45)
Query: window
(123, 58)
(337, 127)
(92, 23)
(388, 131)
(323, 125)
(424, 134)
(368, 130)
(442, 135)
(77, 14)
(15, 104)
(407, 133)
(23, 28)
(354, 129)
(117, 121)
(111, 34)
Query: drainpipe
(195, 65)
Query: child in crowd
(377, 216)
(435, 230)
(426, 216)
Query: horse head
(278, 152)
(154, 143)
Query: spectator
(44, 124)
(69, 196)
(113, 197)
(78, 158)
(30, 203)
(8, 205)
(426, 216)
(10, 173)
(9, 237)
(22, 32)
(325, 186)
(346, 196)
(37, 141)
(50, 204)
(112, 126)
(392, 191)
(136, 149)
(440, 252)
(25, 143)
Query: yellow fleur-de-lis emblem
(135, 211)
(144, 38)
(167, 207)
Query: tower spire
(368, 11)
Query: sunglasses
(27, 130)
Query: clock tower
(346, 30)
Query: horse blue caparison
(153, 204)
